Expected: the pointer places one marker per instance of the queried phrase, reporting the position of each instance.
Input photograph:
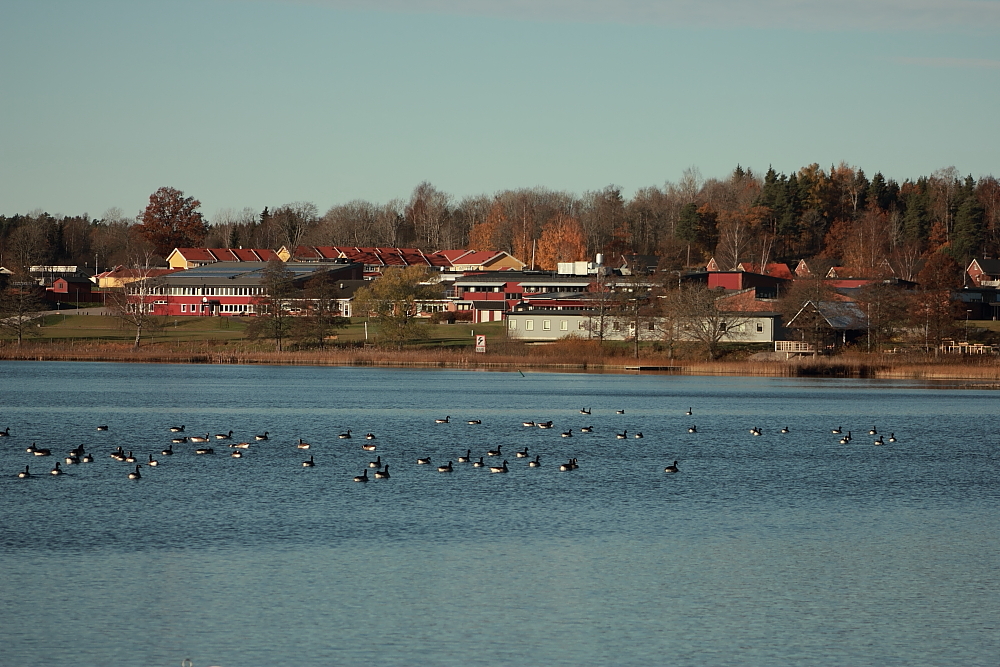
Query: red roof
(196, 254)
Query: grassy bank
(449, 347)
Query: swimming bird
(622, 435)
(475, 421)
(31, 448)
(169, 451)
(236, 454)
(892, 437)
(382, 474)
(118, 454)
(692, 429)
(77, 451)
(446, 468)
(344, 436)
(527, 423)
(87, 458)
(874, 431)
(129, 458)
(502, 468)
(72, 460)
(362, 477)
(423, 462)
(620, 412)
(689, 412)
(446, 420)
(176, 429)
(57, 470)
(479, 463)
(240, 445)
(584, 411)
(672, 468)
(494, 452)
(39, 451)
(368, 448)
(567, 434)
(153, 462)
(369, 436)
(547, 424)
(784, 430)
(587, 429)
(756, 430)
(309, 464)
(179, 441)
(536, 463)
(465, 459)
(5, 433)
(377, 463)
(198, 438)
(837, 431)
(24, 474)
(262, 436)
(204, 450)
(569, 465)
(878, 441)
(303, 444)
(522, 454)
(135, 475)
(846, 439)
(102, 428)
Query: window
(529, 325)
(651, 326)
(546, 324)
(184, 308)
(512, 324)
(616, 326)
(581, 325)
(722, 327)
(760, 327)
(564, 326)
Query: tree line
(838, 214)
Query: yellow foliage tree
(562, 240)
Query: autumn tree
(20, 304)
(321, 312)
(172, 220)
(273, 317)
(934, 310)
(394, 300)
(562, 240)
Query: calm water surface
(784, 549)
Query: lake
(778, 549)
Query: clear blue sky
(264, 102)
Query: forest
(873, 225)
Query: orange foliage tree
(172, 220)
(562, 240)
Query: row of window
(529, 325)
(211, 291)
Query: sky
(254, 103)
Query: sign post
(480, 343)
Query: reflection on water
(778, 549)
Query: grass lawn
(66, 327)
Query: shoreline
(985, 371)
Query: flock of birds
(79, 455)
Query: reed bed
(580, 355)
